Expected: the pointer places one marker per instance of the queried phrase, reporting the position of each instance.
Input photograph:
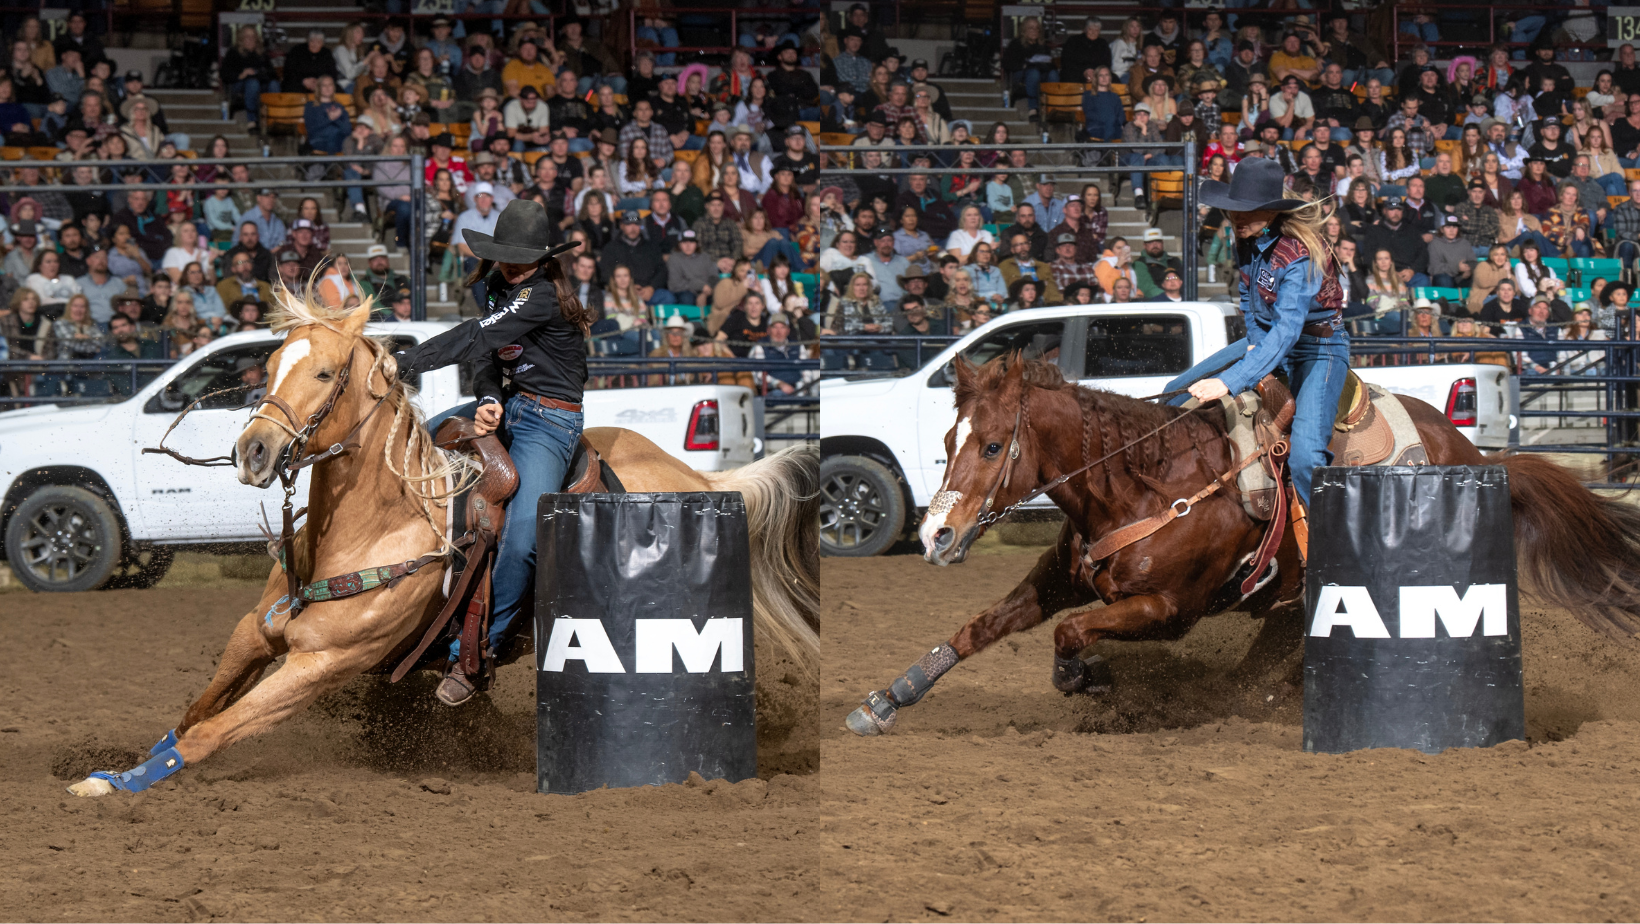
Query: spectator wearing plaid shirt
(1624, 224)
(1020, 265)
(719, 237)
(897, 107)
(1066, 270)
(1420, 137)
(1479, 221)
(644, 126)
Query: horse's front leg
(256, 641)
(1136, 616)
(1049, 588)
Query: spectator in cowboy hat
(914, 284)
(397, 305)
(379, 279)
(676, 335)
(483, 167)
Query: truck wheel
(862, 510)
(64, 539)
(142, 569)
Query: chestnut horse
(1580, 549)
(383, 504)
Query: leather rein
(292, 460)
(1133, 532)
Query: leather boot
(455, 688)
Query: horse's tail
(782, 495)
(1581, 550)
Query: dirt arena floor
(377, 804)
(1181, 797)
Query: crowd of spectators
(708, 228)
(1444, 176)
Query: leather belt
(1319, 329)
(554, 403)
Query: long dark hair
(553, 269)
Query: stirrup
(455, 688)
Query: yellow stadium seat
(1166, 192)
(282, 113)
(687, 157)
(11, 153)
(1061, 101)
(1615, 201)
(530, 157)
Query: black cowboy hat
(523, 234)
(1256, 186)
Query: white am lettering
(658, 638)
(1484, 604)
(1347, 606)
(593, 649)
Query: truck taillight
(1461, 404)
(703, 427)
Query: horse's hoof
(1088, 676)
(864, 722)
(90, 787)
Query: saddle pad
(1383, 434)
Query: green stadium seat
(994, 229)
(1573, 296)
(1434, 292)
(809, 281)
(1606, 268)
(1559, 264)
(689, 312)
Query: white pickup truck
(882, 440)
(84, 507)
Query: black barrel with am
(643, 640)
(1412, 632)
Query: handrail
(734, 14)
(1397, 37)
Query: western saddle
(479, 514)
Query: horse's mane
(1119, 418)
(434, 469)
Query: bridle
(1006, 474)
(291, 461)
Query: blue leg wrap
(145, 774)
(169, 741)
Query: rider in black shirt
(530, 352)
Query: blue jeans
(794, 254)
(1444, 281)
(542, 442)
(1139, 159)
(1385, 75)
(400, 210)
(1034, 77)
(615, 82)
(1626, 251)
(1316, 369)
(355, 194)
(1526, 31)
(1614, 184)
(664, 37)
(250, 90)
(1428, 31)
(1544, 247)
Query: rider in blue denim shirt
(1293, 307)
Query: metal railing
(734, 14)
(1493, 14)
(417, 181)
(1187, 149)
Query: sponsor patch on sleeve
(510, 352)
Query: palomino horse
(380, 505)
(1580, 549)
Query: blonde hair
(1306, 224)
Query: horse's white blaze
(292, 354)
(944, 500)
